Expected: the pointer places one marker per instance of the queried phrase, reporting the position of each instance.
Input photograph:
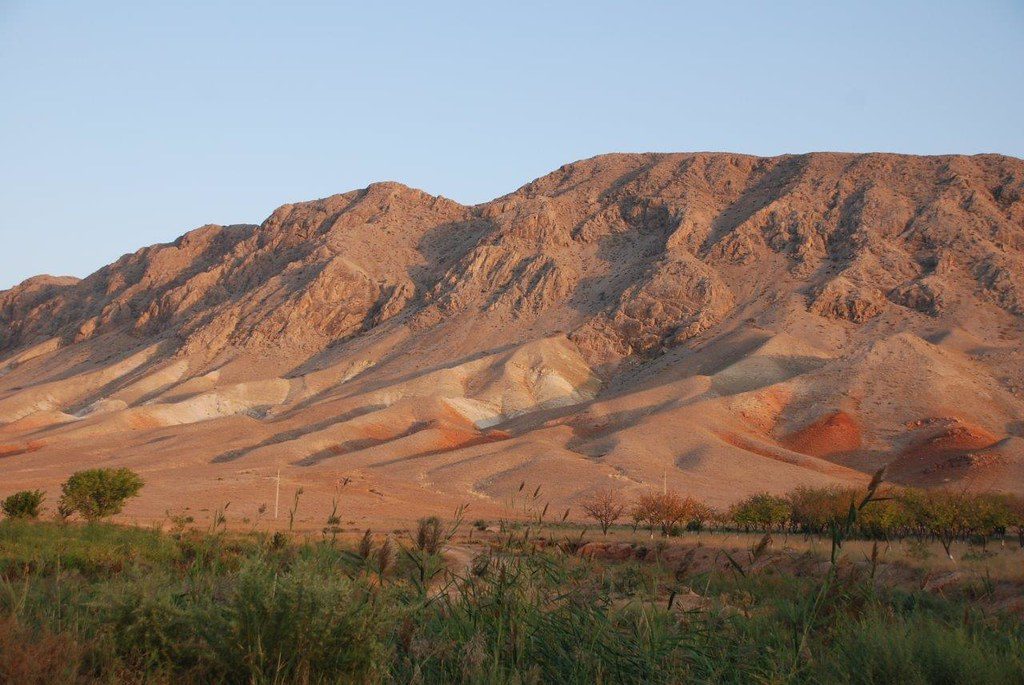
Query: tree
(814, 510)
(699, 514)
(887, 516)
(988, 514)
(663, 510)
(23, 505)
(941, 513)
(604, 506)
(98, 493)
(1016, 505)
(761, 512)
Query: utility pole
(277, 493)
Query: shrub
(23, 505)
(40, 656)
(98, 493)
(142, 606)
(884, 648)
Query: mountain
(718, 323)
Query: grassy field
(105, 603)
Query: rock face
(647, 304)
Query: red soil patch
(833, 433)
(376, 433)
(32, 422)
(969, 460)
(14, 449)
(751, 446)
(456, 438)
(785, 456)
(955, 438)
(944, 444)
(143, 421)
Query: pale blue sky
(125, 124)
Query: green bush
(23, 505)
(98, 493)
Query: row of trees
(93, 494)
(946, 515)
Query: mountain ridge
(768, 303)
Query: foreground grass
(101, 603)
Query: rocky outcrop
(677, 300)
(840, 298)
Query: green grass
(95, 548)
(101, 603)
(917, 649)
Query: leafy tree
(988, 514)
(23, 505)
(814, 510)
(942, 513)
(699, 514)
(660, 510)
(647, 511)
(98, 493)
(762, 512)
(886, 518)
(666, 511)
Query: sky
(124, 124)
